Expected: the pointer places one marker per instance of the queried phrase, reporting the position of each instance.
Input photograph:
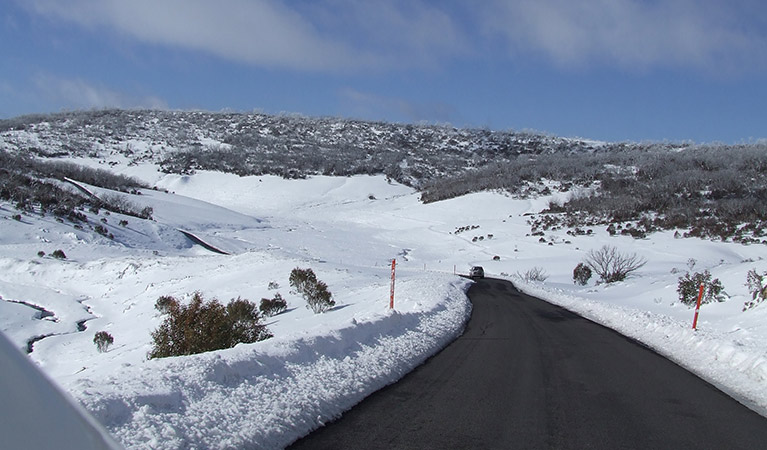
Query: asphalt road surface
(530, 375)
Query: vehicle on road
(476, 272)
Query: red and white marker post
(697, 308)
(391, 296)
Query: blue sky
(601, 69)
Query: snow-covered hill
(291, 146)
(347, 229)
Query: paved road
(529, 375)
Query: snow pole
(697, 308)
(391, 296)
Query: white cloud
(327, 36)
(632, 33)
(343, 35)
(81, 94)
(263, 32)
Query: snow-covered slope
(266, 394)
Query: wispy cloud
(632, 33)
(326, 36)
(263, 32)
(81, 94)
(344, 35)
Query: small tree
(689, 288)
(756, 287)
(59, 254)
(301, 279)
(581, 274)
(244, 322)
(103, 340)
(611, 265)
(274, 306)
(315, 292)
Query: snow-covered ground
(267, 394)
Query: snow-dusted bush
(102, 230)
(581, 274)
(103, 340)
(689, 288)
(94, 176)
(534, 274)
(272, 307)
(203, 326)
(611, 265)
(755, 282)
(120, 204)
(314, 291)
(59, 254)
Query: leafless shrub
(611, 265)
(534, 274)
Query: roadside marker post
(697, 308)
(391, 296)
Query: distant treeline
(709, 190)
(33, 184)
(715, 191)
(291, 146)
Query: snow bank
(268, 394)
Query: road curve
(530, 375)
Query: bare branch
(611, 265)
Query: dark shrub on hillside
(273, 306)
(203, 326)
(245, 322)
(59, 254)
(103, 340)
(689, 288)
(314, 291)
(581, 274)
